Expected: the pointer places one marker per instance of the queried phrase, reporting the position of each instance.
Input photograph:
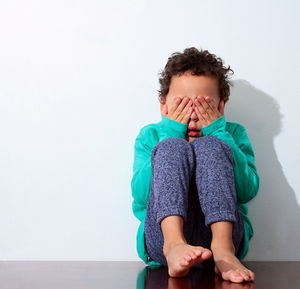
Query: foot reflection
(157, 277)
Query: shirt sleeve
(246, 176)
(173, 128)
(140, 182)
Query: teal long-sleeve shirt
(245, 172)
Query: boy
(193, 174)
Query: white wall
(78, 81)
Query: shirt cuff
(174, 128)
(217, 124)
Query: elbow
(256, 185)
(250, 191)
(138, 210)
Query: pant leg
(212, 156)
(172, 162)
(214, 179)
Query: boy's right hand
(180, 110)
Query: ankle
(224, 246)
(168, 245)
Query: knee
(172, 145)
(212, 143)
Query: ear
(221, 106)
(163, 108)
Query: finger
(176, 102)
(205, 107)
(188, 114)
(210, 104)
(198, 113)
(208, 99)
(180, 107)
(201, 98)
(201, 109)
(211, 110)
(186, 111)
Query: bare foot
(229, 266)
(182, 256)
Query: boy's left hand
(206, 111)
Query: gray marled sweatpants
(196, 181)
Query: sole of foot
(181, 257)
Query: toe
(184, 262)
(207, 254)
(232, 276)
(236, 277)
(245, 275)
(197, 252)
(252, 275)
(207, 250)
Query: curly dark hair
(197, 63)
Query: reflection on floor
(135, 275)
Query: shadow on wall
(274, 212)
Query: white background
(78, 79)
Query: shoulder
(234, 127)
(239, 133)
(149, 130)
(148, 135)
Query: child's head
(194, 73)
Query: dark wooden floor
(131, 275)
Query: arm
(140, 182)
(246, 176)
